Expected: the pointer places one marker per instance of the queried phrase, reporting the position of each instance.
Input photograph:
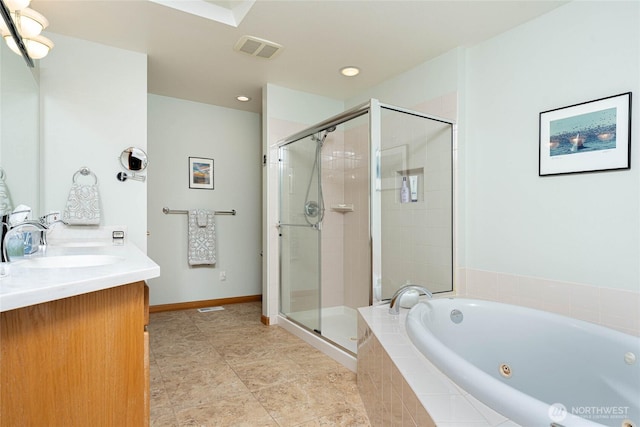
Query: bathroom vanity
(73, 341)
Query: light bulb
(38, 47)
(350, 71)
(3, 27)
(12, 44)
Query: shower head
(326, 132)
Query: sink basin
(71, 261)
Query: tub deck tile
(425, 395)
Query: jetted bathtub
(534, 367)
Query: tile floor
(225, 368)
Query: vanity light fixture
(29, 22)
(37, 47)
(243, 98)
(17, 4)
(25, 25)
(350, 71)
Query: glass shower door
(415, 229)
(300, 216)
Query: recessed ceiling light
(243, 98)
(350, 71)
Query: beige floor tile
(225, 368)
(250, 335)
(159, 399)
(240, 410)
(186, 389)
(163, 417)
(346, 418)
(311, 359)
(268, 372)
(302, 400)
(189, 360)
(252, 349)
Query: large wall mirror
(20, 129)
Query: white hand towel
(83, 205)
(202, 237)
(6, 207)
(203, 217)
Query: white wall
(430, 80)
(94, 105)
(179, 129)
(580, 228)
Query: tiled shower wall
(332, 255)
(357, 266)
(346, 259)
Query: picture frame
(592, 136)
(201, 173)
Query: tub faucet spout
(394, 306)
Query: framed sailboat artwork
(592, 136)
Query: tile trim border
(617, 309)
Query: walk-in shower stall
(366, 205)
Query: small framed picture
(201, 173)
(588, 137)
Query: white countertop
(28, 286)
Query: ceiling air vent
(255, 46)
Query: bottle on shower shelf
(404, 191)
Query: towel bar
(181, 211)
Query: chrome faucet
(394, 306)
(8, 229)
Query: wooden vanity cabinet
(79, 361)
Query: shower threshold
(339, 325)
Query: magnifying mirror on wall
(134, 159)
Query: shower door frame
(376, 200)
(312, 325)
(334, 121)
(374, 108)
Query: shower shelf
(343, 208)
